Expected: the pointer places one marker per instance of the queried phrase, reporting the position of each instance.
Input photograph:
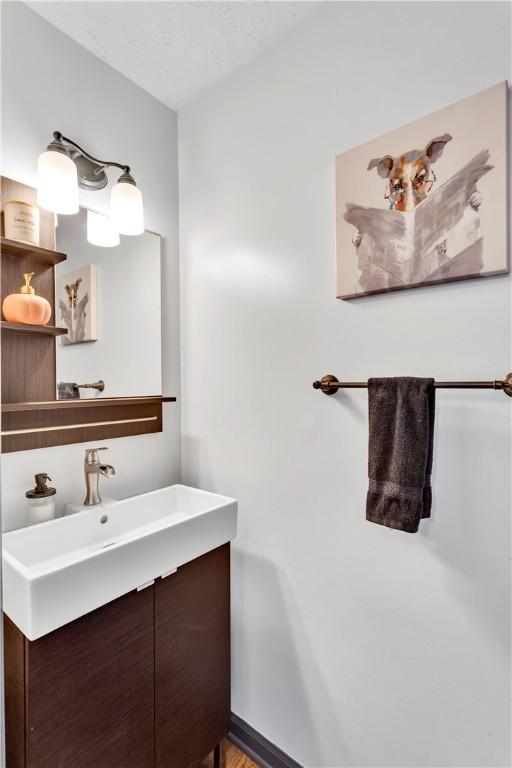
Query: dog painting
(410, 177)
(426, 203)
(76, 302)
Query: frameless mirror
(109, 299)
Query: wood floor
(234, 758)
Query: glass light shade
(126, 209)
(101, 231)
(57, 183)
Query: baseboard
(257, 747)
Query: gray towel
(401, 438)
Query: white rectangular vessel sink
(57, 571)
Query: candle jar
(21, 222)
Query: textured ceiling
(173, 49)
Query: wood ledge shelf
(32, 252)
(90, 402)
(38, 330)
(61, 422)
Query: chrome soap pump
(41, 500)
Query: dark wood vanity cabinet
(84, 693)
(192, 660)
(143, 682)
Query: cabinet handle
(168, 573)
(147, 584)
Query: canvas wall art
(76, 302)
(426, 203)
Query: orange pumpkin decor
(25, 306)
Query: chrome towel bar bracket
(329, 384)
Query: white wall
(51, 83)
(353, 645)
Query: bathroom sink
(57, 571)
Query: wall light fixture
(65, 166)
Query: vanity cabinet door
(90, 689)
(192, 660)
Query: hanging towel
(401, 438)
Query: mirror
(110, 301)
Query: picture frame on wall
(426, 203)
(76, 305)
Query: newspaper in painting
(437, 240)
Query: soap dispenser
(41, 500)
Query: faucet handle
(91, 454)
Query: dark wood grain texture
(192, 660)
(39, 425)
(14, 683)
(38, 330)
(90, 689)
(92, 402)
(28, 361)
(34, 252)
(28, 367)
(142, 682)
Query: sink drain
(103, 519)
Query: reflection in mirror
(109, 299)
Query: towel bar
(330, 384)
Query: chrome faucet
(93, 469)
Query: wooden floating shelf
(61, 422)
(89, 402)
(32, 252)
(39, 330)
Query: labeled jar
(21, 222)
